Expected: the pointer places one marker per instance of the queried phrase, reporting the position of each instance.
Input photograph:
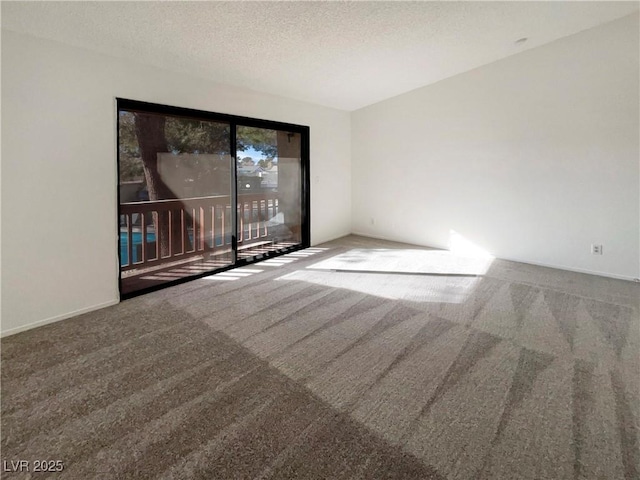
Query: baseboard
(389, 239)
(64, 316)
(528, 262)
(573, 269)
(57, 318)
(320, 242)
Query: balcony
(167, 240)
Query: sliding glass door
(201, 192)
(269, 168)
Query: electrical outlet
(596, 249)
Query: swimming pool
(136, 244)
(136, 238)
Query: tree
(150, 133)
(260, 139)
(195, 136)
(151, 139)
(130, 165)
(266, 163)
(143, 135)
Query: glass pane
(175, 203)
(269, 190)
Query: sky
(250, 152)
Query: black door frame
(234, 121)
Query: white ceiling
(340, 54)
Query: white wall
(532, 158)
(59, 169)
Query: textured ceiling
(340, 54)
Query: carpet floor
(350, 360)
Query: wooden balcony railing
(158, 232)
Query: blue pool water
(136, 244)
(151, 238)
